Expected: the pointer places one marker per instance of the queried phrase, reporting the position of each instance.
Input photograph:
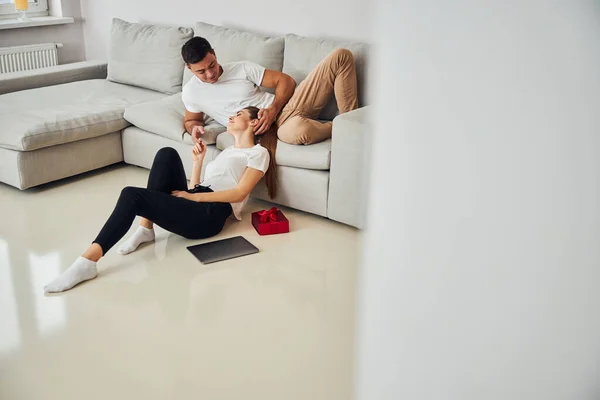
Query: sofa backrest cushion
(302, 54)
(165, 117)
(234, 45)
(148, 56)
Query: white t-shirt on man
(238, 87)
(226, 170)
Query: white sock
(81, 270)
(142, 235)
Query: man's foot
(142, 235)
(81, 270)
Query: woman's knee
(130, 192)
(166, 153)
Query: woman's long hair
(268, 140)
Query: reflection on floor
(157, 324)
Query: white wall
(70, 35)
(481, 275)
(347, 19)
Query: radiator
(23, 58)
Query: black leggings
(184, 217)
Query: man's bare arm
(194, 124)
(283, 84)
(192, 119)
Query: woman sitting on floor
(195, 213)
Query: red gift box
(270, 222)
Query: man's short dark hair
(195, 49)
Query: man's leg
(336, 74)
(302, 130)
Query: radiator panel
(23, 58)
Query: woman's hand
(182, 193)
(199, 151)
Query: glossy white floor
(157, 324)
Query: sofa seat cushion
(48, 116)
(164, 117)
(315, 156)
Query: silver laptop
(224, 249)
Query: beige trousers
(335, 74)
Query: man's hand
(182, 193)
(266, 117)
(197, 132)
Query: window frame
(39, 8)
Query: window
(37, 8)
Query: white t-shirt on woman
(226, 170)
(238, 87)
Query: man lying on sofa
(220, 91)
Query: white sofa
(61, 121)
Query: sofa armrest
(80, 71)
(347, 177)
